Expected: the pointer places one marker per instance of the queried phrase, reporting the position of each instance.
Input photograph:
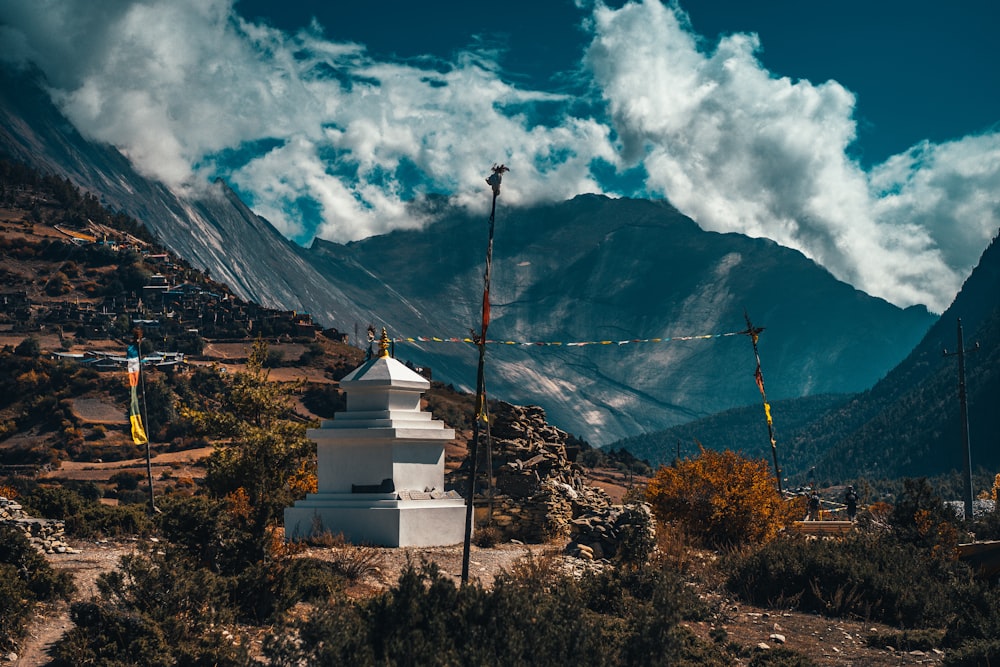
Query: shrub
(976, 653)
(861, 576)
(636, 534)
(487, 537)
(780, 657)
(920, 518)
(43, 582)
(126, 481)
(205, 530)
(532, 615)
(29, 347)
(108, 636)
(907, 640)
(15, 608)
(977, 614)
(264, 590)
(25, 578)
(155, 610)
(720, 498)
(85, 517)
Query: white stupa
(381, 466)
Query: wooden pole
(963, 408)
(754, 333)
(145, 421)
(473, 458)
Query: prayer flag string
(619, 343)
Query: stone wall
(540, 494)
(47, 535)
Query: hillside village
(174, 303)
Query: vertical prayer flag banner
(486, 313)
(134, 416)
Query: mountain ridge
(907, 424)
(591, 268)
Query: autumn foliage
(721, 498)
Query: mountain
(213, 230)
(589, 269)
(594, 269)
(742, 429)
(907, 424)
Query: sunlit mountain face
(588, 270)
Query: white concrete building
(381, 466)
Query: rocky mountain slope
(907, 424)
(597, 269)
(590, 269)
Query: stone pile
(540, 492)
(606, 532)
(47, 535)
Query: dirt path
(53, 621)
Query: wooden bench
(984, 557)
(823, 527)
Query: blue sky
(863, 134)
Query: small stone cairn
(540, 493)
(47, 535)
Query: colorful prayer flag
(134, 416)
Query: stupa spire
(383, 344)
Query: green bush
(780, 657)
(155, 610)
(977, 614)
(86, 518)
(975, 653)
(265, 589)
(25, 578)
(532, 616)
(108, 636)
(861, 576)
(15, 605)
(126, 481)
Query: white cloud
(174, 84)
(740, 149)
(184, 86)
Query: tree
(29, 347)
(721, 498)
(259, 471)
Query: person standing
(851, 500)
(814, 506)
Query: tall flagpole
(963, 409)
(473, 459)
(754, 333)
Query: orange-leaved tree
(720, 498)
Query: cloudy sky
(864, 134)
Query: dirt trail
(53, 621)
